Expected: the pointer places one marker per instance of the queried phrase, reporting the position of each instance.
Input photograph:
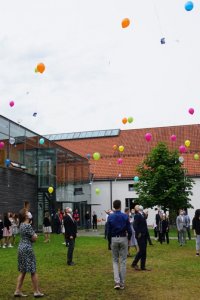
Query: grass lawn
(175, 272)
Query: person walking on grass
(119, 231)
(26, 256)
(181, 227)
(196, 228)
(70, 234)
(47, 227)
(141, 233)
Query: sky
(96, 72)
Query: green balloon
(196, 156)
(96, 156)
(130, 119)
(97, 191)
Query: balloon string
(157, 16)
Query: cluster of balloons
(40, 68)
(129, 120)
(50, 190)
(189, 5)
(125, 23)
(96, 155)
(11, 103)
(148, 137)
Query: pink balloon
(12, 103)
(120, 161)
(1, 145)
(182, 149)
(173, 138)
(148, 136)
(191, 110)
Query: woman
(47, 227)
(196, 228)
(26, 257)
(7, 231)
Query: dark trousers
(188, 232)
(71, 245)
(94, 224)
(142, 253)
(148, 238)
(162, 236)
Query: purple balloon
(191, 110)
(148, 137)
(173, 138)
(182, 149)
(120, 161)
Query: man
(141, 234)
(118, 230)
(181, 227)
(70, 234)
(187, 220)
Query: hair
(46, 214)
(22, 215)
(117, 204)
(126, 209)
(197, 214)
(26, 205)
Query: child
(7, 231)
(47, 227)
(1, 232)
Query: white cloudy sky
(96, 72)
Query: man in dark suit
(70, 234)
(141, 234)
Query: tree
(163, 181)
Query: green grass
(175, 272)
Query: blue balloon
(136, 178)
(88, 156)
(41, 141)
(189, 5)
(7, 162)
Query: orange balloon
(124, 120)
(114, 147)
(125, 23)
(41, 67)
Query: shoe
(135, 267)
(117, 286)
(38, 295)
(197, 254)
(19, 294)
(121, 286)
(10, 246)
(71, 263)
(145, 269)
(4, 246)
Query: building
(30, 164)
(115, 180)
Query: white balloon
(181, 159)
(12, 140)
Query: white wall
(120, 191)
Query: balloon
(162, 41)
(189, 5)
(50, 190)
(196, 156)
(187, 143)
(36, 70)
(182, 149)
(181, 159)
(41, 141)
(114, 147)
(121, 148)
(97, 191)
(120, 161)
(130, 119)
(191, 110)
(34, 114)
(12, 103)
(41, 67)
(124, 120)
(88, 156)
(2, 145)
(12, 140)
(7, 162)
(173, 138)
(136, 178)
(119, 175)
(125, 23)
(148, 137)
(96, 156)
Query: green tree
(163, 181)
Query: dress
(26, 256)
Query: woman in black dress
(26, 256)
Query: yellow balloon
(121, 148)
(196, 156)
(187, 143)
(50, 190)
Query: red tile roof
(135, 149)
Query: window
(78, 191)
(131, 187)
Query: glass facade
(51, 164)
